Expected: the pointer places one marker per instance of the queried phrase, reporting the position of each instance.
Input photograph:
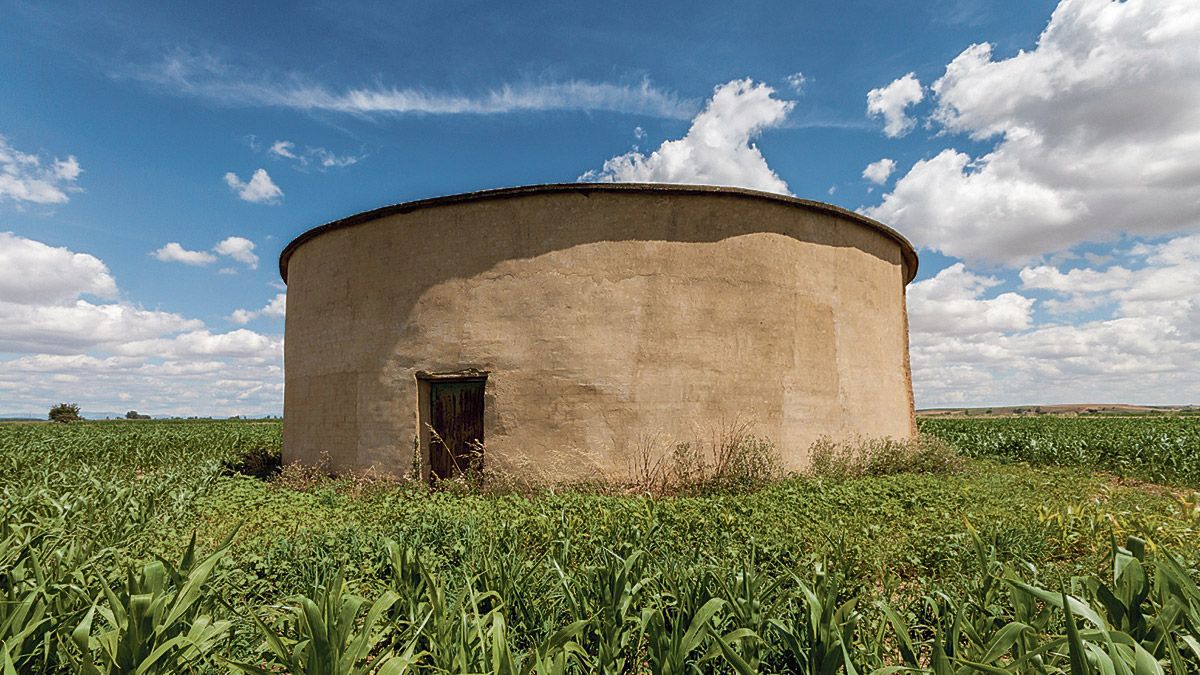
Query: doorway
(453, 423)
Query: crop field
(1055, 546)
(1163, 449)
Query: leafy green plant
(606, 595)
(156, 622)
(323, 636)
(817, 637)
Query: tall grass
(883, 456)
(731, 459)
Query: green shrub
(64, 413)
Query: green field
(950, 570)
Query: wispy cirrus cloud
(211, 78)
(318, 157)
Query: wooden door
(456, 416)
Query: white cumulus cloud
(237, 343)
(43, 307)
(72, 337)
(718, 148)
(26, 177)
(1096, 135)
(1139, 343)
(878, 172)
(260, 189)
(276, 309)
(892, 101)
(174, 252)
(34, 273)
(951, 304)
(1159, 281)
(238, 248)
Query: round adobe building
(561, 326)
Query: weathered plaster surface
(604, 316)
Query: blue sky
(1042, 156)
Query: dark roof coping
(907, 251)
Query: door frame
(424, 380)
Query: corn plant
(1158, 448)
(752, 597)
(23, 604)
(607, 595)
(573, 582)
(1126, 626)
(675, 633)
(156, 622)
(323, 636)
(557, 654)
(509, 571)
(408, 580)
(818, 636)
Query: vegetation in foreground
(976, 567)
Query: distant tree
(65, 412)
(135, 415)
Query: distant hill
(1063, 409)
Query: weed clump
(882, 457)
(733, 459)
(321, 477)
(261, 462)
